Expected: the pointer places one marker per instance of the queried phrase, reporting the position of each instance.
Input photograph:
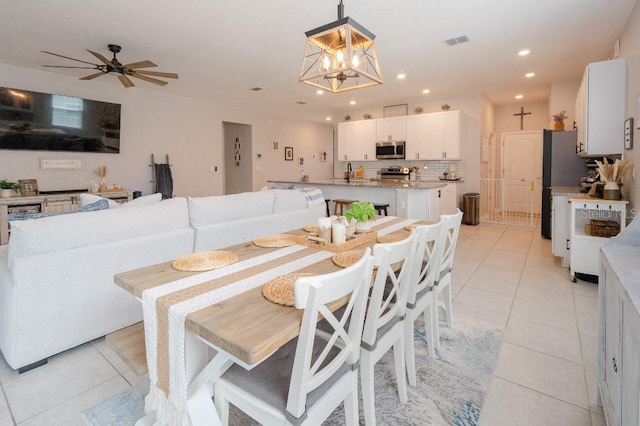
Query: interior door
(522, 173)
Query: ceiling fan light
(340, 56)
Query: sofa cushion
(86, 199)
(227, 208)
(62, 232)
(98, 205)
(287, 200)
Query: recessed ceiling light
(352, 102)
(401, 74)
(524, 52)
(425, 91)
(328, 119)
(319, 92)
(530, 74)
(519, 96)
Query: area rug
(450, 388)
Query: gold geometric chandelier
(340, 56)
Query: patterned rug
(450, 388)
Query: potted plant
(559, 119)
(418, 110)
(363, 213)
(6, 188)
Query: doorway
(516, 195)
(238, 170)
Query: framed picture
(28, 187)
(395, 110)
(628, 133)
(288, 153)
(274, 145)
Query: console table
(58, 202)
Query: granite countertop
(368, 183)
(565, 190)
(585, 197)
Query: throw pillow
(145, 199)
(98, 205)
(86, 199)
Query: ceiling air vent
(457, 40)
(301, 102)
(256, 89)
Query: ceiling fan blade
(158, 74)
(101, 57)
(149, 79)
(125, 81)
(66, 57)
(62, 66)
(141, 64)
(92, 76)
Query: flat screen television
(42, 121)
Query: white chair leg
(429, 331)
(351, 404)
(409, 351)
(366, 379)
(435, 324)
(399, 360)
(448, 305)
(222, 405)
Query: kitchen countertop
(368, 183)
(585, 197)
(565, 190)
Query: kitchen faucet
(349, 171)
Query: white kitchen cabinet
(434, 136)
(585, 249)
(619, 335)
(357, 140)
(601, 109)
(561, 227)
(391, 129)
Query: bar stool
(327, 201)
(380, 208)
(339, 206)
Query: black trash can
(471, 208)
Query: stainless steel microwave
(390, 150)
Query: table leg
(201, 374)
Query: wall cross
(522, 114)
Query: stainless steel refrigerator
(561, 166)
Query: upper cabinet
(600, 109)
(434, 136)
(391, 129)
(357, 140)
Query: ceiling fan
(114, 66)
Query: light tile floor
(504, 275)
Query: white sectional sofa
(56, 273)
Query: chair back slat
(428, 255)
(451, 230)
(316, 360)
(387, 301)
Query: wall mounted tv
(41, 121)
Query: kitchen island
(412, 199)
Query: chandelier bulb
(355, 61)
(326, 63)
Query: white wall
(189, 130)
(563, 98)
(630, 49)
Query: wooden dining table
(244, 328)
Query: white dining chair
(420, 292)
(384, 321)
(442, 284)
(306, 379)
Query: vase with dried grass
(612, 175)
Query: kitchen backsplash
(434, 171)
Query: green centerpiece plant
(363, 213)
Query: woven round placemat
(312, 227)
(280, 290)
(277, 240)
(413, 225)
(204, 261)
(391, 238)
(347, 258)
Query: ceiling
(223, 48)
